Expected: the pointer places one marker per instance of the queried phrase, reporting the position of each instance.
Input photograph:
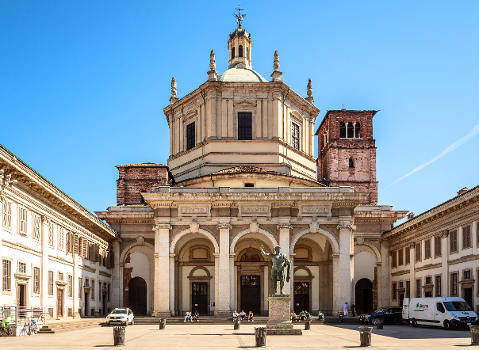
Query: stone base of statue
(279, 322)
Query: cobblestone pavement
(199, 336)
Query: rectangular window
(69, 286)
(428, 280)
(466, 237)
(408, 289)
(92, 292)
(84, 248)
(437, 246)
(427, 249)
(295, 135)
(401, 257)
(466, 275)
(453, 241)
(418, 288)
(6, 275)
(393, 259)
(36, 280)
(36, 226)
(394, 291)
(51, 235)
(437, 286)
(190, 135)
(418, 251)
(50, 282)
(454, 284)
(61, 238)
(60, 276)
(22, 267)
(244, 126)
(68, 242)
(22, 221)
(7, 214)
(408, 255)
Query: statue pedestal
(279, 322)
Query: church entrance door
(301, 296)
(364, 296)
(199, 297)
(137, 295)
(250, 294)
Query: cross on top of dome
(239, 17)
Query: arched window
(357, 129)
(342, 130)
(240, 51)
(350, 130)
(351, 163)
(232, 52)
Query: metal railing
(20, 320)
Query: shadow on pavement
(406, 332)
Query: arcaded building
(242, 174)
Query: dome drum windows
(240, 51)
(296, 135)
(245, 126)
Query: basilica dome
(235, 74)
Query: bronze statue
(280, 262)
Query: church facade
(242, 174)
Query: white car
(123, 316)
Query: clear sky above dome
(84, 83)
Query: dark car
(390, 315)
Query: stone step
(46, 330)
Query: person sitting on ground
(320, 315)
(250, 316)
(235, 315)
(294, 317)
(188, 317)
(242, 314)
(196, 316)
(302, 315)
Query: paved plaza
(199, 336)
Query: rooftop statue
(280, 262)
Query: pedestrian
(345, 309)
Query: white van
(447, 312)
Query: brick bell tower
(347, 151)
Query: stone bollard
(379, 323)
(260, 335)
(236, 323)
(119, 335)
(162, 323)
(474, 329)
(307, 325)
(365, 335)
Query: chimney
(410, 215)
(462, 190)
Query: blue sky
(84, 82)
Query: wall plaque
(315, 210)
(194, 210)
(254, 210)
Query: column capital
(232, 255)
(284, 226)
(172, 255)
(345, 227)
(163, 226)
(224, 226)
(335, 255)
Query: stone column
(222, 296)
(383, 276)
(337, 305)
(44, 264)
(284, 244)
(345, 263)
(161, 299)
(266, 278)
(412, 270)
(116, 290)
(172, 284)
(445, 264)
(232, 282)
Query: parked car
(123, 316)
(390, 315)
(447, 312)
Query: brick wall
(134, 179)
(334, 155)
